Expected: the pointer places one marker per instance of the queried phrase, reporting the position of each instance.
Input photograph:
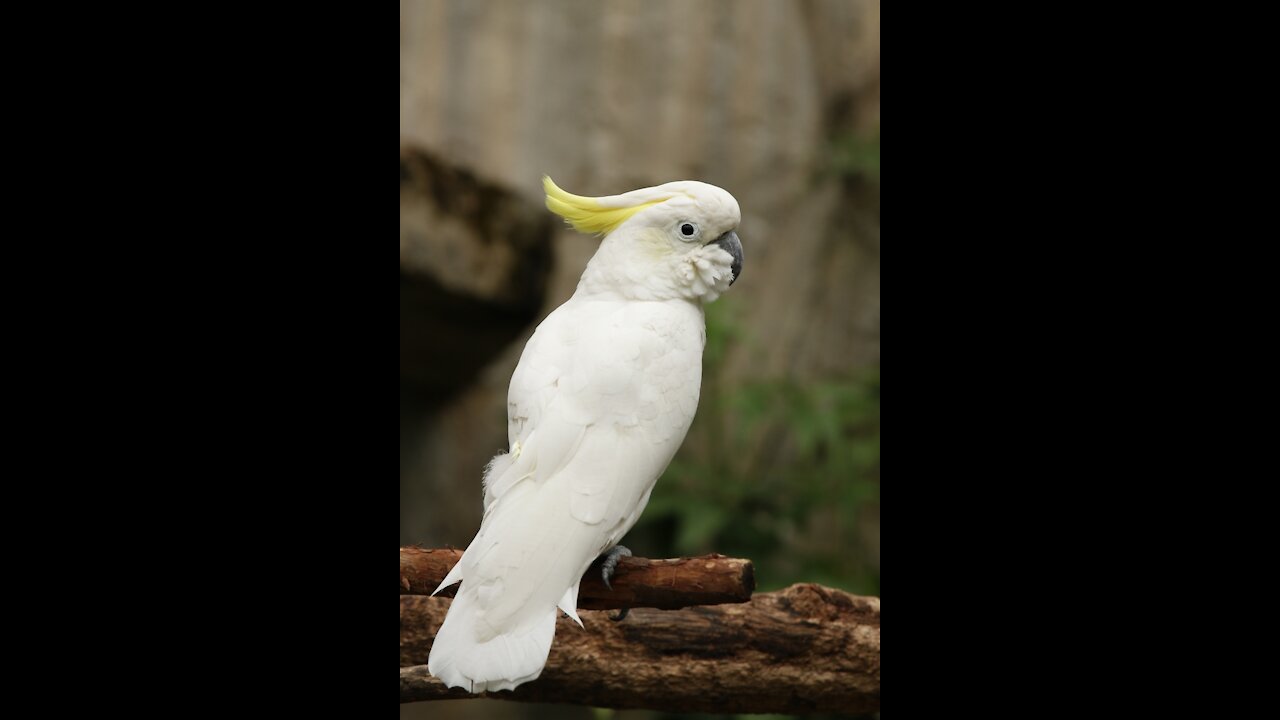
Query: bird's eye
(687, 230)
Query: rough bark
(637, 582)
(805, 649)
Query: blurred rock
(474, 263)
(475, 259)
(776, 101)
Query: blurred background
(778, 102)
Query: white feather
(569, 604)
(601, 400)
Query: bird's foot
(610, 564)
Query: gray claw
(621, 616)
(611, 559)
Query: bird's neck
(630, 267)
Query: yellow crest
(589, 215)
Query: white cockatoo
(602, 398)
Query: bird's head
(671, 241)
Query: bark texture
(637, 582)
(806, 649)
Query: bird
(602, 398)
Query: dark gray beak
(730, 243)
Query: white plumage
(601, 400)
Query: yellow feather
(586, 214)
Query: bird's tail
(504, 662)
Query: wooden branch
(806, 649)
(663, 584)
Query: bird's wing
(600, 403)
(602, 398)
(634, 369)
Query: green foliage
(782, 472)
(853, 155)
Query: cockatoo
(601, 400)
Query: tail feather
(569, 604)
(504, 662)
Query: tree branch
(805, 649)
(662, 584)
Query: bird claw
(610, 564)
(621, 616)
